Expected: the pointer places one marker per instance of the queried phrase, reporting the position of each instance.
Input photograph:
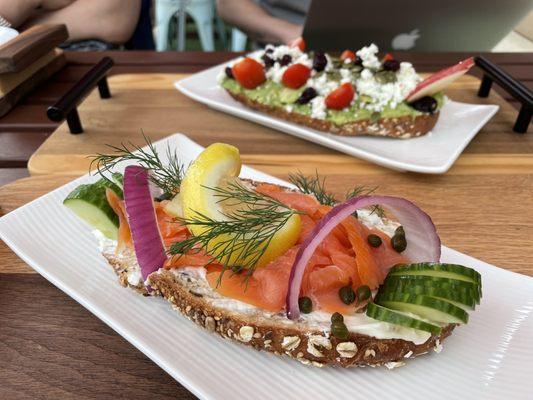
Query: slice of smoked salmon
(367, 267)
(329, 301)
(236, 286)
(124, 233)
(295, 200)
(171, 230)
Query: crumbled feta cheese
(276, 72)
(368, 56)
(329, 65)
(303, 59)
(280, 51)
(318, 108)
(346, 75)
(388, 94)
(289, 108)
(322, 84)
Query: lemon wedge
(216, 167)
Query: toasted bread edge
(399, 127)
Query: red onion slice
(147, 241)
(423, 243)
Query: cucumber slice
(463, 299)
(381, 313)
(452, 271)
(90, 204)
(436, 282)
(435, 310)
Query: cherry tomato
(298, 42)
(340, 97)
(348, 55)
(388, 57)
(249, 73)
(295, 76)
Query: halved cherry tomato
(340, 97)
(295, 76)
(298, 42)
(348, 55)
(249, 73)
(388, 57)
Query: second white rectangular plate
(433, 153)
(489, 359)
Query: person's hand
(288, 32)
(51, 5)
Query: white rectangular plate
(490, 358)
(433, 153)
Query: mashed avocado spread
(274, 94)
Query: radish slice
(440, 80)
(423, 243)
(147, 241)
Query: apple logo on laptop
(405, 41)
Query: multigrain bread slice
(275, 333)
(309, 342)
(404, 127)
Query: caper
(398, 242)
(374, 240)
(363, 293)
(305, 304)
(337, 317)
(339, 330)
(347, 294)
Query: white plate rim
(322, 138)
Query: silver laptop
(420, 25)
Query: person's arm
(256, 23)
(18, 11)
(112, 21)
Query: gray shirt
(289, 10)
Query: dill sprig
(365, 191)
(313, 185)
(316, 186)
(242, 236)
(167, 177)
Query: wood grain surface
(30, 45)
(9, 99)
(52, 348)
(150, 103)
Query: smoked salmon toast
(292, 269)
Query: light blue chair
(203, 14)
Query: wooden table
(52, 347)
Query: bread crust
(399, 127)
(313, 347)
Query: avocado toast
(354, 94)
(290, 270)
